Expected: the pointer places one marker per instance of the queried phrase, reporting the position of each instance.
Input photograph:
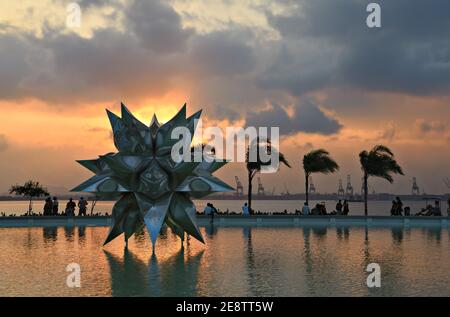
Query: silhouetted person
(207, 209)
(316, 210)
(437, 209)
(48, 206)
(339, 208)
(428, 211)
(70, 208)
(448, 208)
(305, 209)
(82, 206)
(407, 211)
(55, 206)
(245, 210)
(323, 209)
(346, 208)
(399, 206)
(213, 211)
(394, 208)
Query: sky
(313, 68)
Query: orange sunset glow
(273, 64)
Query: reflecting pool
(235, 261)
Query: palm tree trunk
(306, 188)
(30, 205)
(249, 194)
(365, 193)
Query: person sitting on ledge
(437, 209)
(316, 211)
(428, 211)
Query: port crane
(349, 188)
(260, 188)
(239, 187)
(341, 192)
(312, 188)
(447, 182)
(415, 188)
(287, 190)
(368, 188)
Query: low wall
(239, 220)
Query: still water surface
(234, 262)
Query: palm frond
(319, 161)
(380, 162)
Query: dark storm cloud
(430, 126)
(157, 26)
(153, 52)
(79, 69)
(410, 53)
(222, 54)
(13, 69)
(323, 44)
(307, 117)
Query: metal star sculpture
(151, 188)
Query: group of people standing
(51, 207)
(397, 208)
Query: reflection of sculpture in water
(176, 276)
(151, 186)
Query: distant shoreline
(301, 197)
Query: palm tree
(254, 167)
(378, 162)
(30, 190)
(317, 161)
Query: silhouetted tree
(30, 190)
(378, 162)
(317, 161)
(255, 166)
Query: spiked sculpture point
(151, 188)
